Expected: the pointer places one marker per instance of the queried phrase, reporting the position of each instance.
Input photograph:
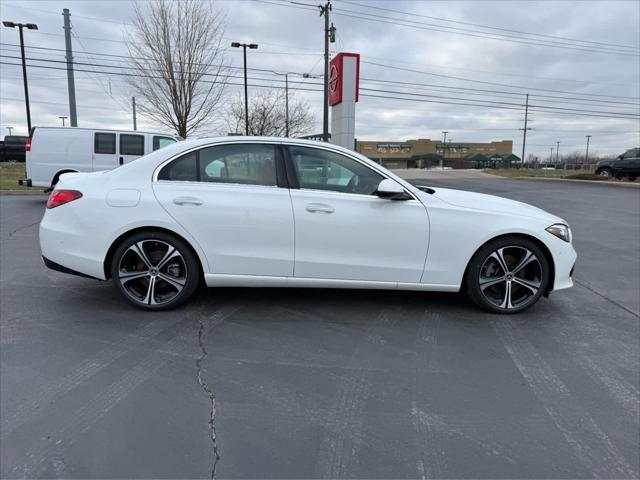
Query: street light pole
(244, 46)
(586, 155)
(30, 26)
(9, 128)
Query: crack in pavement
(24, 227)
(592, 289)
(212, 399)
(216, 319)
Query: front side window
(104, 143)
(324, 170)
(161, 142)
(131, 144)
(251, 164)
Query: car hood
(491, 203)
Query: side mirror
(392, 190)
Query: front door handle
(182, 201)
(319, 208)
(121, 161)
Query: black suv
(626, 165)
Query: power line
(423, 26)
(489, 103)
(413, 14)
(493, 83)
(579, 98)
(465, 102)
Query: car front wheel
(507, 275)
(155, 271)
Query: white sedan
(273, 212)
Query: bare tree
(267, 115)
(178, 63)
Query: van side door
(104, 151)
(130, 147)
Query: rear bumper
(25, 182)
(61, 268)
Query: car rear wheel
(507, 275)
(155, 270)
(605, 172)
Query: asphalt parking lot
(327, 383)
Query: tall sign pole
(71, 85)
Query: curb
(594, 182)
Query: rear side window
(183, 169)
(161, 142)
(104, 143)
(249, 164)
(131, 144)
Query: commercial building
(425, 153)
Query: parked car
(52, 151)
(272, 212)
(625, 165)
(12, 148)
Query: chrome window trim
(283, 142)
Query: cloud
(291, 39)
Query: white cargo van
(52, 151)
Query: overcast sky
(290, 35)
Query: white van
(52, 151)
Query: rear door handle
(319, 208)
(182, 201)
(121, 161)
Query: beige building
(425, 153)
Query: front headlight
(561, 231)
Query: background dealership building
(425, 153)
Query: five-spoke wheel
(507, 275)
(154, 270)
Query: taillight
(28, 145)
(60, 197)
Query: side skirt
(226, 280)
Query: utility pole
(133, 106)
(524, 130)
(30, 26)
(329, 34)
(71, 85)
(9, 128)
(586, 155)
(444, 146)
(551, 155)
(286, 104)
(244, 46)
(63, 119)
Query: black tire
(605, 172)
(510, 295)
(165, 278)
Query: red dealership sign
(336, 71)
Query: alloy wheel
(152, 272)
(511, 277)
